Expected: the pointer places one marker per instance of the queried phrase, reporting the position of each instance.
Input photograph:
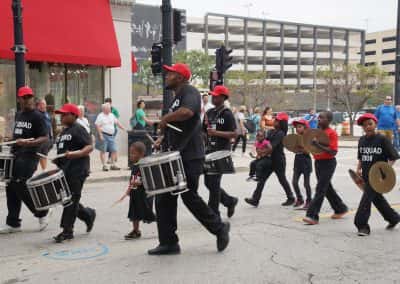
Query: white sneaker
(43, 223)
(9, 230)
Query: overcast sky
(375, 14)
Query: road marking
(78, 253)
(351, 212)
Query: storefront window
(7, 98)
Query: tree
(353, 86)
(199, 62)
(145, 83)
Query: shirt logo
(176, 104)
(367, 153)
(221, 121)
(65, 137)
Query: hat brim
(214, 94)
(25, 95)
(169, 68)
(295, 123)
(361, 120)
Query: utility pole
(397, 80)
(166, 10)
(19, 47)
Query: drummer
(219, 125)
(29, 123)
(184, 113)
(372, 148)
(75, 142)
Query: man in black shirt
(29, 124)
(75, 142)
(219, 125)
(373, 148)
(184, 113)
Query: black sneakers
(391, 226)
(288, 202)
(89, 226)
(231, 209)
(251, 201)
(133, 235)
(223, 237)
(63, 236)
(363, 232)
(165, 250)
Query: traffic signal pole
(166, 10)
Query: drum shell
(221, 165)
(6, 166)
(49, 191)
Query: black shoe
(165, 250)
(288, 202)
(63, 236)
(363, 232)
(231, 209)
(133, 235)
(223, 237)
(391, 226)
(89, 226)
(251, 201)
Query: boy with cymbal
(373, 148)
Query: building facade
(290, 53)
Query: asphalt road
(269, 244)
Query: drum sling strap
(209, 148)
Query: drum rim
(163, 190)
(6, 156)
(32, 182)
(160, 159)
(223, 154)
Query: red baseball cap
(25, 91)
(365, 117)
(179, 68)
(219, 90)
(68, 108)
(301, 121)
(282, 116)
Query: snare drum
(163, 173)
(49, 189)
(218, 163)
(6, 163)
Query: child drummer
(325, 166)
(140, 207)
(75, 142)
(372, 148)
(302, 166)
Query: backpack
(250, 125)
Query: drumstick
(174, 128)
(15, 141)
(150, 138)
(51, 158)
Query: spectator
(387, 118)
(45, 147)
(240, 129)
(267, 119)
(82, 120)
(115, 112)
(312, 118)
(256, 118)
(205, 105)
(105, 126)
(139, 121)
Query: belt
(107, 134)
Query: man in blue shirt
(312, 119)
(387, 118)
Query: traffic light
(223, 60)
(179, 25)
(156, 58)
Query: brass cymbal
(309, 136)
(359, 181)
(382, 177)
(291, 142)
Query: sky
(370, 15)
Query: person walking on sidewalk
(325, 166)
(240, 129)
(387, 118)
(219, 126)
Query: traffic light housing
(156, 58)
(179, 25)
(223, 59)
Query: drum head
(160, 158)
(44, 175)
(218, 155)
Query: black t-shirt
(189, 142)
(73, 138)
(376, 148)
(221, 119)
(28, 124)
(275, 137)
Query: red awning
(63, 31)
(134, 63)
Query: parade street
(269, 244)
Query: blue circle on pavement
(78, 253)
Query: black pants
(76, 209)
(166, 207)
(264, 171)
(379, 201)
(17, 192)
(302, 166)
(244, 142)
(259, 167)
(217, 194)
(324, 169)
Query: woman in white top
(82, 120)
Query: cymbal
(382, 177)
(309, 136)
(359, 181)
(291, 142)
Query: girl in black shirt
(275, 136)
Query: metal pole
(19, 47)
(166, 10)
(397, 82)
